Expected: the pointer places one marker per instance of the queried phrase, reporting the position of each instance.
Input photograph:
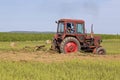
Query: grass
(112, 46)
(110, 42)
(109, 36)
(70, 70)
(75, 69)
(20, 46)
(7, 36)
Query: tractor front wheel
(69, 45)
(100, 51)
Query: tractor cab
(71, 37)
(70, 27)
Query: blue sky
(40, 15)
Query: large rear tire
(70, 45)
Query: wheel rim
(71, 47)
(101, 52)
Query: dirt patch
(52, 57)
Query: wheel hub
(71, 47)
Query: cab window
(61, 27)
(70, 28)
(80, 28)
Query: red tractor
(71, 37)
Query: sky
(40, 15)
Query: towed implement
(71, 37)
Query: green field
(110, 42)
(77, 67)
(112, 46)
(70, 70)
(7, 36)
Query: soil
(43, 56)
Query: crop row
(7, 36)
(109, 36)
(25, 36)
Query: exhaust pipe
(92, 33)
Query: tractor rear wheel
(69, 45)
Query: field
(70, 70)
(23, 62)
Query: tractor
(71, 37)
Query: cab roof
(72, 20)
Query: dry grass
(42, 56)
